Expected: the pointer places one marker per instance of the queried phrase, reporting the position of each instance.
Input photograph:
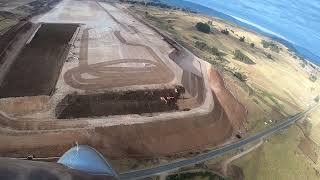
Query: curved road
(139, 174)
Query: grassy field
(273, 85)
(278, 158)
(272, 88)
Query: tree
(242, 38)
(252, 45)
(203, 27)
(225, 31)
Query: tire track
(104, 76)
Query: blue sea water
(296, 23)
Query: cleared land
(110, 73)
(119, 91)
(37, 67)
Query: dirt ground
(108, 55)
(110, 74)
(37, 67)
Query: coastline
(206, 11)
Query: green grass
(279, 158)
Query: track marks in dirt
(103, 75)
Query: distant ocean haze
(295, 23)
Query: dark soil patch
(117, 103)
(10, 36)
(37, 67)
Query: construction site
(93, 73)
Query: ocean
(295, 23)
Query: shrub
(313, 78)
(252, 45)
(242, 57)
(269, 56)
(240, 76)
(225, 31)
(195, 37)
(271, 45)
(204, 47)
(242, 38)
(203, 27)
(317, 99)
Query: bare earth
(117, 62)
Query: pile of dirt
(118, 103)
(235, 111)
(37, 67)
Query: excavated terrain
(106, 104)
(115, 83)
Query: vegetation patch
(225, 31)
(313, 78)
(210, 49)
(156, 4)
(242, 57)
(269, 56)
(274, 100)
(242, 39)
(242, 77)
(201, 175)
(203, 27)
(271, 45)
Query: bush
(252, 45)
(240, 76)
(271, 45)
(204, 47)
(225, 31)
(242, 38)
(317, 99)
(269, 56)
(242, 57)
(313, 78)
(203, 27)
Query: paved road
(138, 174)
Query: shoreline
(308, 56)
